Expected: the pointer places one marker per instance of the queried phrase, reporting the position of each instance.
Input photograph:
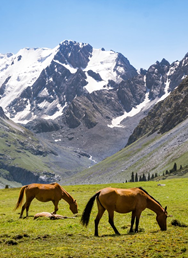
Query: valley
(94, 115)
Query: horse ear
(165, 208)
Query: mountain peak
(43, 82)
(164, 62)
(72, 43)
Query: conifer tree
(132, 177)
(175, 167)
(136, 177)
(144, 177)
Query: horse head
(74, 207)
(161, 219)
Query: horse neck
(154, 206)
(66, 196)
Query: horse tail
(20, 198)
(86, 213)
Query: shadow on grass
(141, 230)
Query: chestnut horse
(44, 193)
(133, 200)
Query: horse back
(43, 192)
(122, 200)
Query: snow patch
(102, 62)
(91, 158)
(116, 122)
(43, 93)
(166, 90)
(57, 140)
(24, 68)
(67, 66)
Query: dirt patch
(11, 242)
(177, 223)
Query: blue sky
(144, 31)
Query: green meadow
(68, 238)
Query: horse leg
(23, 208)
(137, 222)
(101, 211)
(111, 221)
(55, 206)
(132, 221)
(26, 206)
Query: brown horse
(44, 193)
(133, 200)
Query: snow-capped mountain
(40, 82)
(83, 97)
(82, 103)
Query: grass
(18, 148)
(17, 144)
(68, 238)
(149, 154)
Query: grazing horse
(133, 200)
(44, 193)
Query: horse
(44, 193)
(133, 200)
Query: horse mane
(55, 183)
(149, 195)
(65, 192)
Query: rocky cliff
(165, 115)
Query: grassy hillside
(68, 238)
(20, 152)
(150, 154)
(25, 159)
